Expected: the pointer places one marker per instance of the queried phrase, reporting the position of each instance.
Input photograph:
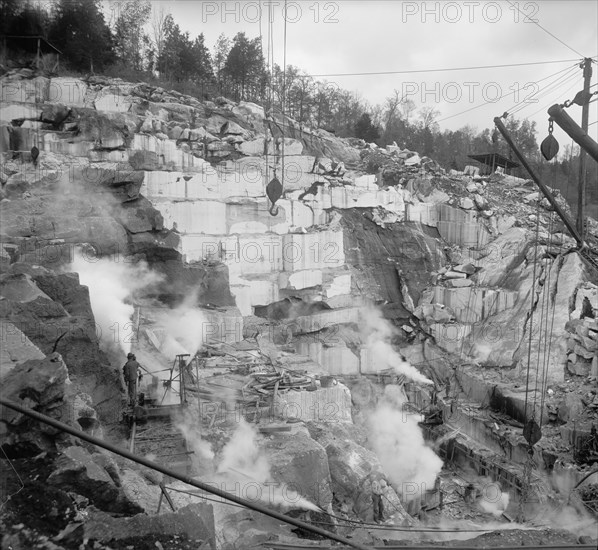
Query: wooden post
(585, 112)
(166, 496)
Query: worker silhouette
(132, 373)
(379, 487)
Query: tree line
(144, 44)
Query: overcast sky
(350, 36)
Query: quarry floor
(34, 517)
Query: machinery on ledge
(151, 402)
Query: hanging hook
(274, 192)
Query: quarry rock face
(78, 470)
(60, 318)
(43, 384)
(39, 384)
(301, 463)
(194, 522)
(350, 467)
(132, 169)
(16, 348)
(452, 260)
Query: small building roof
(29, 43)
(494, 159)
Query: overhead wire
(563, 80)
(284, 89)
(546, 105)
(544, 29)
(531, 317)
(487, 102)
(447, 69)
(270, 67)
(542, 335)
(547, 352)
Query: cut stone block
(24, 91)
(151, 151)
(251, 216)
(450, 337)
(334, 357)
(257, 292)
(223, 326)
(367, 181)
(207, 217)
(422, 212)
(11, 112)
(340, 285)
(68, 91)
(459, 283)
(470, 269)
(300, 279)
(454, 275)
(353, 197)
(332, 404)
(464, 234)
(325, 319)
(298, 172)
(113, 102)
(323, 249)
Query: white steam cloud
(481, 352)
(184, 328)
(398, 441)
(495, 506)
(242, 456)
(201, 447)
(243, 467)
(112, 283)
(377, 335)
(243, 461)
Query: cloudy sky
(381, 36)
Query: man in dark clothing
(379, 487)
(131, 372)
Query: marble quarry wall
(173, 176)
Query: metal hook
(274, 192)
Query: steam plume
(242, 464)
(184, 328)
(243, 460)
(377, 334)
(112, 282)
(398, 441)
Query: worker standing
(132, 372)
(379, 486)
